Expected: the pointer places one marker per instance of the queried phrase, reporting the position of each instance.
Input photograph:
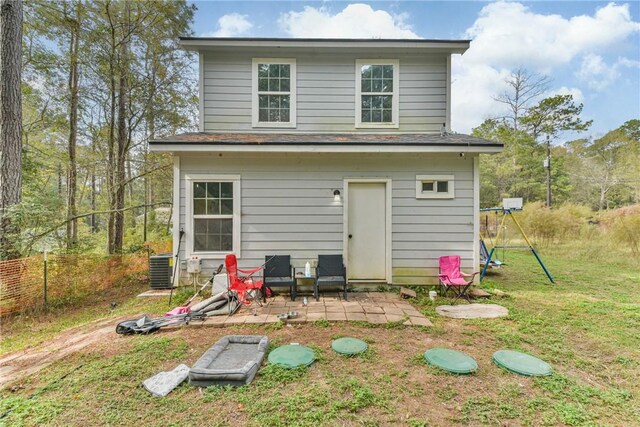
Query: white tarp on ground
(162, 383)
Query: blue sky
(590, 49)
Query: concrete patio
(371, 307)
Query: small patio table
(301, 280)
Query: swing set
(507, 212)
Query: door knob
(350, 235)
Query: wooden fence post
(45, 280)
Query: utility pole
(547, 165)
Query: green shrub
(548, 226)
(626, 229)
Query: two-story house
(325, 146)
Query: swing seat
(484, 256)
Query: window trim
(189, 218)
(254, 93)
(395, 101)
(450, 194)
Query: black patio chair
(278, 272)
(330, 272)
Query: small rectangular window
(434, 187)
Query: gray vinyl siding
(325, 91)
(287, 207)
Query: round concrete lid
(521, 363)
(453, 361)
(349, 346)
(292, 356)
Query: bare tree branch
(525, 87)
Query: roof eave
(209, 43)
(181, 147)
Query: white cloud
(354, 21)
(473, 89)
(626, 62)
(507, 35)
(231, 25)
(596, 73)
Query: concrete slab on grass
(472, 311)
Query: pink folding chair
(452, 279)
(245, 287)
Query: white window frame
(395, 102)
(292, 93)
(189, 220)
(450, 194)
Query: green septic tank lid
(349, 346)
(292, 356)
(521, 363)
(451, 360)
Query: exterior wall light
(336, 196)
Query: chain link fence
(33, 283)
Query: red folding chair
(452, 279)
(246, 287)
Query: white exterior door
(367, 233)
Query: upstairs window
(434, 187)
(274, 93)
(377, 93)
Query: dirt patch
(16, 365)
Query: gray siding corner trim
(476, 215)
(447, 123)
(175, 214)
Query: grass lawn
(587, 327)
